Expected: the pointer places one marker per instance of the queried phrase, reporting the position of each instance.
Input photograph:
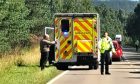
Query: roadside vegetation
(24, 69)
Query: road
(124, 72)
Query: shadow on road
(136, 72)
(78, 69)
(124, 68)
(134, 77)
(136, 64)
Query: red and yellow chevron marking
(83, 34)
(84, 46)
(65, 48)
(84, 37)
(57, 25)
(56, 22)
(57, 55)
(84, 24)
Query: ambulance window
(65, 25)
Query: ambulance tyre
(96, 65)
(62, 67)
(90, 66)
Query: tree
(111, 20)
(13, 24)
(133, 24)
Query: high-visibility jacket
(105, 44)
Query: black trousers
(51, 54)
(137, 47)
(44, 59)
(105, 58)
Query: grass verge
(24, 69)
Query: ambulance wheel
(96, 65)
(90, 66)
(60, 67)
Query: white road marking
(57, 77)
(60, 75)
(136, 70)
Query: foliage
(13, 25)
(133, 24)
(111, 20)
(126, 5)
(19, 19)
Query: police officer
(44, 49)
(105, 46)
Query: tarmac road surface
(124, 72)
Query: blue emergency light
(65, 34)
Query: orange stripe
(61, 42)
(76, 20)
(92, 50)
(91, 42)
(83, 26)
(56, 30)
(85, 36)
(61, 53)
(81, 49)
(64, 57)
(56, 21)
(75, 45)
(86, 45)
(57, 56)
(62, 50)
(76, 37)
(90, 24)
(70, 51)
(76, 28)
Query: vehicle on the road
(119, 53)
(118, 37)
(77, 36)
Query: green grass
(24, 69)
(27, 75)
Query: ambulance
(77, 36)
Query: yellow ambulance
(77, 36)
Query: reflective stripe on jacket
(105, 44)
